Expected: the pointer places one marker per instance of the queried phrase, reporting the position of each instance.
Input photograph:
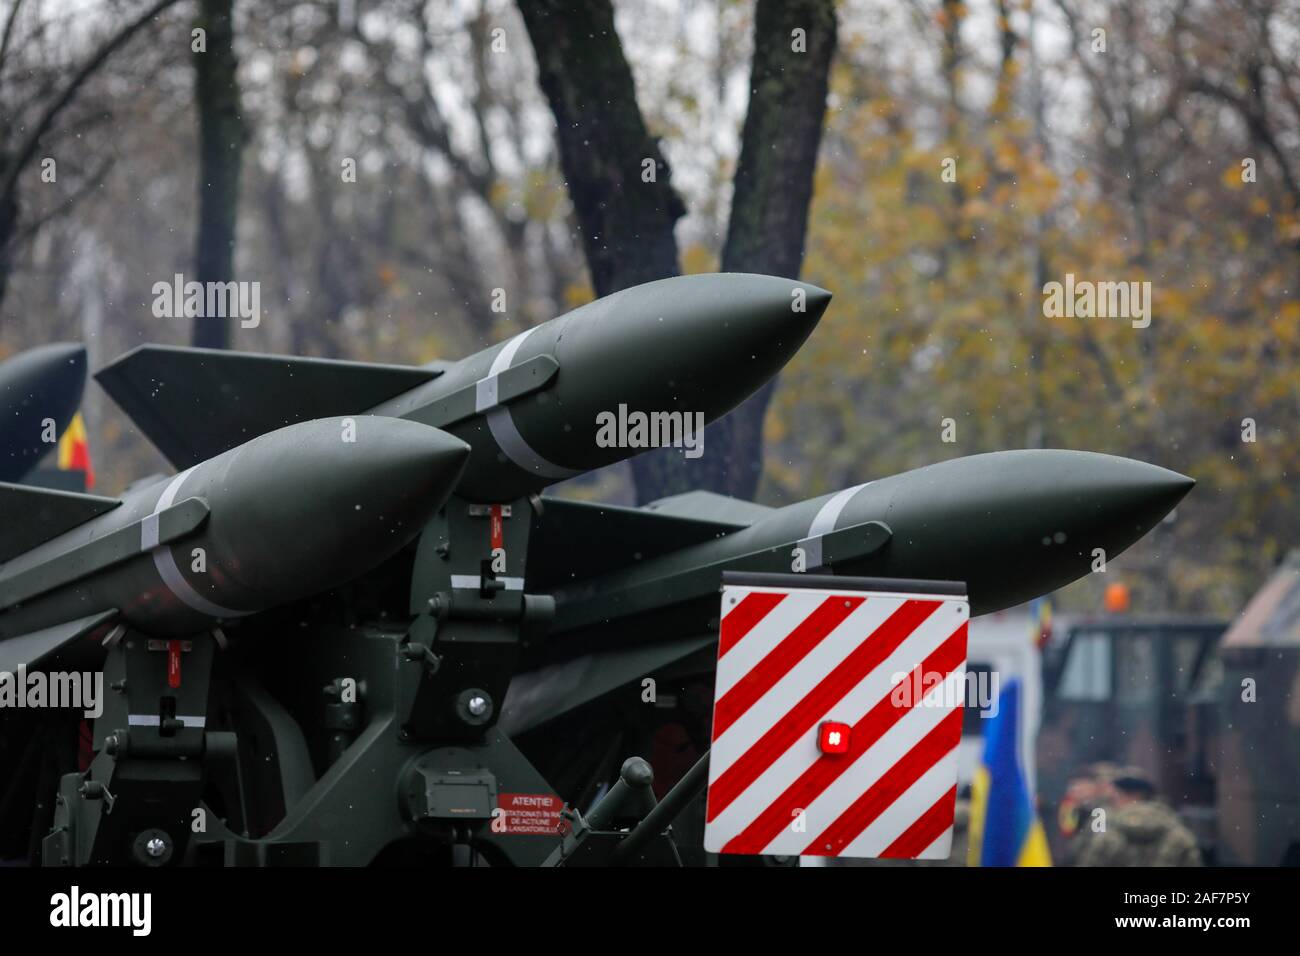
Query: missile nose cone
(57, 370)
(1017, 524)
(1119, 490)
(70, 354)
(781, 314)
(309, 506)
(39, 384)
(769, 313)
(1161, 488)
(818, 298)
(419, 465)
(386, 467)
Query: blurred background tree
(1114, 141)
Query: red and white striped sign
(836, 720)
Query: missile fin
(31, 516)
(27, 650)
(193, 404)
(579, 539)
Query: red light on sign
(833, 738)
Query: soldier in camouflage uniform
(1087, 792)
(1140, 831)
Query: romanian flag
(1040, 610)
(74, 450)
(1004, 828)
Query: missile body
(689, 345)
(678, 353)
(286, 515)
(1012, 525)
(36, 385)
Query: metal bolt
(477, 706)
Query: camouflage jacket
(1141, 834)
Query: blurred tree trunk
(627, 223)
(773, 193)
(221, 147)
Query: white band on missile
(165, 563)
(502, 425)
(152, 720)
(823, 523)
(472, 582)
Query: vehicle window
(1136, 669)
(1087, 669)
(1186, 651)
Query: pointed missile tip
(1153, 489)
(425, 455)
(818, 295)
(817, 300)
(1163, 481)
(1179, 486)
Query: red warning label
(496, 528)
(529, 813)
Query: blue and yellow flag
(1004, 828)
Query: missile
(38, 386)
(1012, 525)
(284, 516)
(686, 349)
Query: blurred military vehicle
(1137, 691)
(351, 672)
(1210, 713)
(1258, 766)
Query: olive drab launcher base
(836, 719)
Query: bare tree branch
(27, 151)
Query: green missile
(691, 345)
(38, 386)
(284, 516)
(1012, 525)
(534, 409)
